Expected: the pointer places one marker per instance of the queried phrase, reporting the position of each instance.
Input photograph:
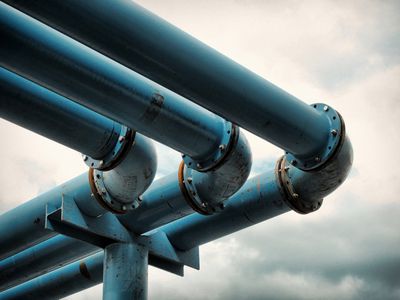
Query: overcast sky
(344, 53)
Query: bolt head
(121, 139)
(221, 147)
(85, 158)
(294, 195)
(334, 132)
(101, 162)
(294, 162)
(317, 159)
(189, 179)
(140, 198)
(198, 165)
(326, 108)
(123, 207)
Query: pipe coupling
(116, 155)
(334, 130)
(228, 132)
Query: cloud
(343, 53)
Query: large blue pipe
(261, 198)
(63, 282)
(55, 117)
(160, 51)
(75, 71)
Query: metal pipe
(62, 282)
(55, 117)
(125, 272)
(137, 39)
(42, 258)
(262, 197)
(30, 229)
(85, 76)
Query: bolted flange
(116, 155)
(334, 131)
(217, 156)
(289, 194)
(100, 192)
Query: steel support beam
(137, 39)
(125, 271)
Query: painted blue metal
(174, 59)
(73, 70)
(261, 198)
(31, 216)
(41, 258)
(55, 117)
(125, 272)
(60, 283)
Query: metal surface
(121, 187)
(207, 192)
(55, 117)
(73, 70)
(60, 283)
(125, 272)
(187, 66)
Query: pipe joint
(203, 165)
(288, 191)
(119, 189)
(206, 192)
(328, 146)
(303, 191)
(122, 143)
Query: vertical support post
(125, 271)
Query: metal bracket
(69, 220)
(163, 255)
(105, 230)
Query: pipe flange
(194, 202)
(202, 166)
(332, 140)
(290, 197)
(105, 199)
(116, 155)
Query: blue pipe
(75, 71)
(160, 51)
(55, 117)
(63, 282)
(262, 197)
(39, 259)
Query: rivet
(140, 198)
(221, 147)
(121, 139)
(198, 165)
(294, 162)
(294, 195)
(183, 155)
(326, 108)
(334, 132)
(203, 204)
(286, 169)
(317, 158)
(123, 207)
(101, 162)
(189, 179)
(85, 158)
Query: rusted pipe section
(206, 192)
